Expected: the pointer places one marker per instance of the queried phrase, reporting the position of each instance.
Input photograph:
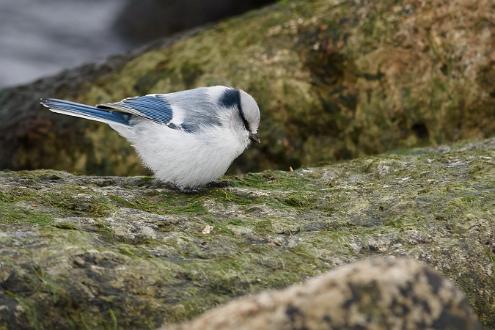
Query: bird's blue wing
(197, 108)
(188, 110)
(152, 107)
(86, 111)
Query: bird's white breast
(186, 159)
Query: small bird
(187, 138)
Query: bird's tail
(86, 111)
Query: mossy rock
(127, 252)
(375, 293)
(334, 79)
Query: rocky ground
(334, 79)
(128, 252)
(373, 294)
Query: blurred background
(41, 37)
(334, 79)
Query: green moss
(131, 253)
(11, 214)
(120, 201)
(274, 180)
(229, 197)
(78, 201)
(163, 203)
(127, 250)
(105, 230)
(169, 203)
(4, 197)
(263, 226)
(299, 200)
(66, 226)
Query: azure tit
(187, 138)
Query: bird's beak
(254, 137)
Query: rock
(372, 294)
(334, 79)
(151, 19)
(127, 252)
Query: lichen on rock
(128, 252)
(372, 294)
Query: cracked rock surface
(380, 293)
(128, 252)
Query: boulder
(334, 79)
(371, 294)
(128, 252)
(145, 20)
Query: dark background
(41, 37)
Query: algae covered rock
(128, 252)
(372, 294)
(334, 79)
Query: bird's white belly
(184, 159)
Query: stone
(127, 252)
(378, 293)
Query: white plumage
(186, 138)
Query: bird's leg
(218, 184)
(170, 186)
(189, 191)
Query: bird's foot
(218, 184)
(189, 191)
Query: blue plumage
(152, 107)
(188, 138)
(82, 110)
(188, 111)
(185, 110)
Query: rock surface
(335, 79)
(372, 294)
(128, 252)
(151, 19)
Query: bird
(187, 138)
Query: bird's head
(246, 115)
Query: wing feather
(152, 107)
(186, 110)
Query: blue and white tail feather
(86, 111)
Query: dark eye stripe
(244, 121)
(232, 97)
